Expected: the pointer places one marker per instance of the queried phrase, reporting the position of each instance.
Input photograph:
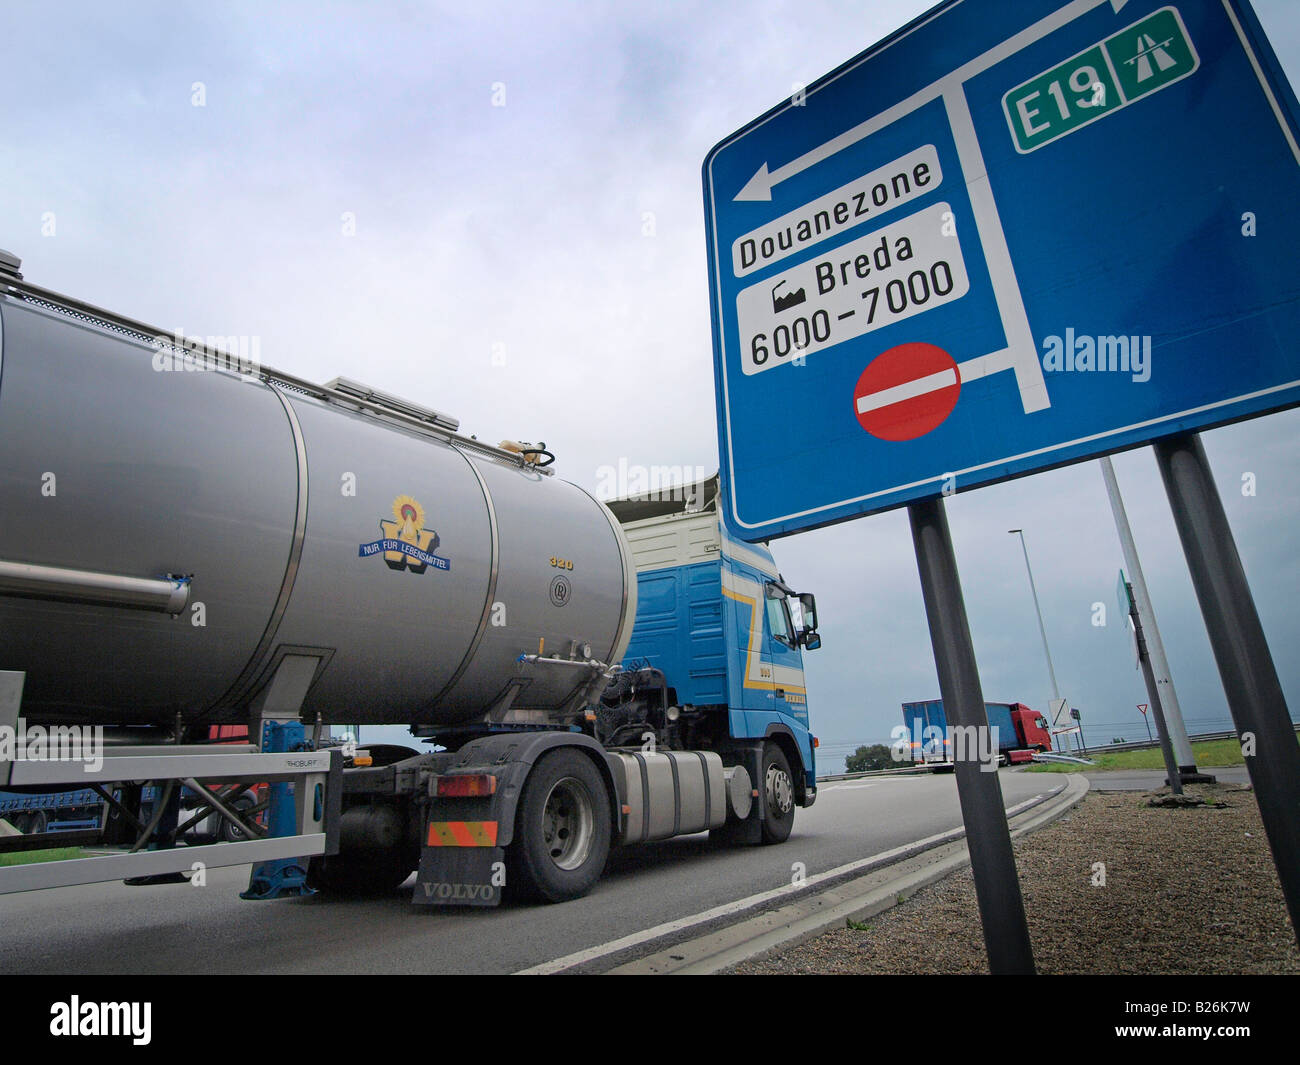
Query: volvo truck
(192, 541)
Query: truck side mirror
(811, 641)
(808, 602)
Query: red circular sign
(906, 391)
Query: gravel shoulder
(1186, 890)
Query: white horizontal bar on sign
(907, 390)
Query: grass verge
(54, 854)
(1206, 752)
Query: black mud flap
(460, 876)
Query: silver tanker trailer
(190, 541)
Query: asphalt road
(111, 928)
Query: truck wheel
(562, 829)
(778, 786)
(32, 823)
(228, 833)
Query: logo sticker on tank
(407, 544)
(561, 590)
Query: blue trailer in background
(64, 811)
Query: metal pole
(1042, 629)
(997, 888)
(1173, 714)
(1250, 680)
(1147, 722)
(1162, 729)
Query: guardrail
(1101, 748)
(901, 770)
(1138, 745)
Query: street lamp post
(1051, 672)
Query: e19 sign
(1150, 54)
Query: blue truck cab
(718, 623)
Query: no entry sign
(906, 391)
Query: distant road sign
(1001, 241)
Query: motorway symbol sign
(1008, 237)
(1148, 55)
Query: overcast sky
(538, 270)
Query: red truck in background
(1021, 732)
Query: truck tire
(228, 833)
(562, 829)
(778, 785)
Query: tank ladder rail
(316, 776)
(344, 393)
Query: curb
(860, 898)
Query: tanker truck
(191, 541)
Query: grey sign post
(1157, 706)
(1161, 684)
(997, 888)
(1245, 664)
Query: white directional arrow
(760, 186)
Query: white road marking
(726, 909)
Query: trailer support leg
(277, 709)
(283, 877)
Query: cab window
(778, 617)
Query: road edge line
(866, 896)
(838, 875)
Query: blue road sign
(1009, 237)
